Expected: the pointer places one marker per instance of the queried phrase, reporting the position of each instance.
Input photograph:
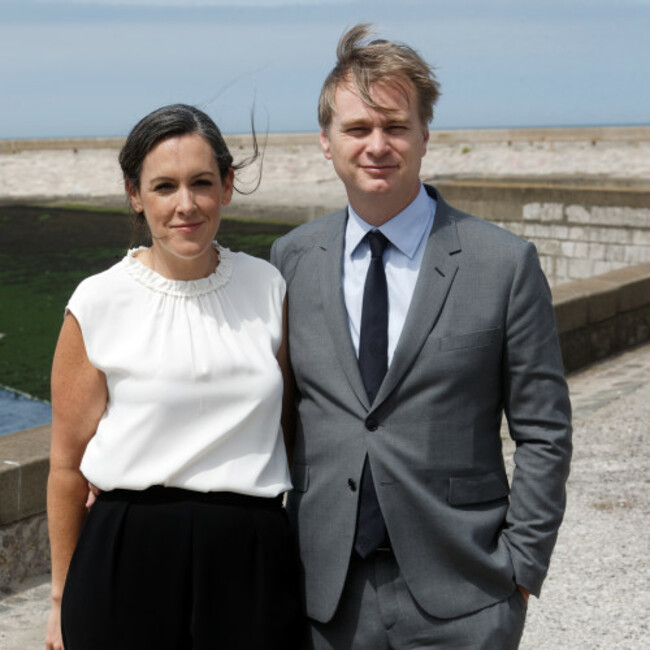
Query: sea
(19, 411)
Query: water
(19, 411)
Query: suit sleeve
(275, 255)
(539, 416)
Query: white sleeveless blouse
(194, 388)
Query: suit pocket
(468, 490)
(480, 339)
(300, 477)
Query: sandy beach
(297, 182)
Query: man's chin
(379, 186)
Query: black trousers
(167, 568)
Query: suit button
(352, 485)
(372, 424)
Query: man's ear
(325, 143)
(425, 141)
(134, 197)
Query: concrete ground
(597, 595)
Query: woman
(167, 387)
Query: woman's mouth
(187, 227)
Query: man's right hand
(93, 493)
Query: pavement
(597, 594)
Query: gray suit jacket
(479, 341)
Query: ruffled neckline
(156, 282)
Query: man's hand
(93, 493)
(525, 593)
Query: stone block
(548, 212)
(568, 249)
(615, 253)
(634, 285)
(561, 271)
(9, 492)
(574, 345)
(570, 304)
(596, 251)
(637, 254)
(602, 300)
(578, 233)
(640, 237)
(547, 263)
(551, 247)
(602, 340)
(577, 214)
(24, 550)
(610, 235)
(24, 464)
(580, 269)
(515, 227)
(621, 216)
(633, 328)
(601, 267)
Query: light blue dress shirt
(408, 233)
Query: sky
(86, 68)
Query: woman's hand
(53, 640)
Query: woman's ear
(228, 187)
(134, 197)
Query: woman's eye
(204, 182)
(163, 187)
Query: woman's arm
(288, 406)
(79, 398)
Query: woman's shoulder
(100, 285)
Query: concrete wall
(597, 318)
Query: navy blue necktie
(373, 363)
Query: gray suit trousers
(378, 612)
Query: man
(407, 348)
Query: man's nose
(377, 142)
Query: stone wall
(579, 231)
(24, 549)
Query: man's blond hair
(364, 64)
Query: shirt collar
(405, 230)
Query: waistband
(163, 494)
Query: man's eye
(396, 128)
(356, 130)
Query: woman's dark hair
(168, 122)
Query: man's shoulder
(308, 235)
(472, 228)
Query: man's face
(377, 154)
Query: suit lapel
(439, 266)
(336, 316)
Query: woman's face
(181, 194)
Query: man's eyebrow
(389, 117)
